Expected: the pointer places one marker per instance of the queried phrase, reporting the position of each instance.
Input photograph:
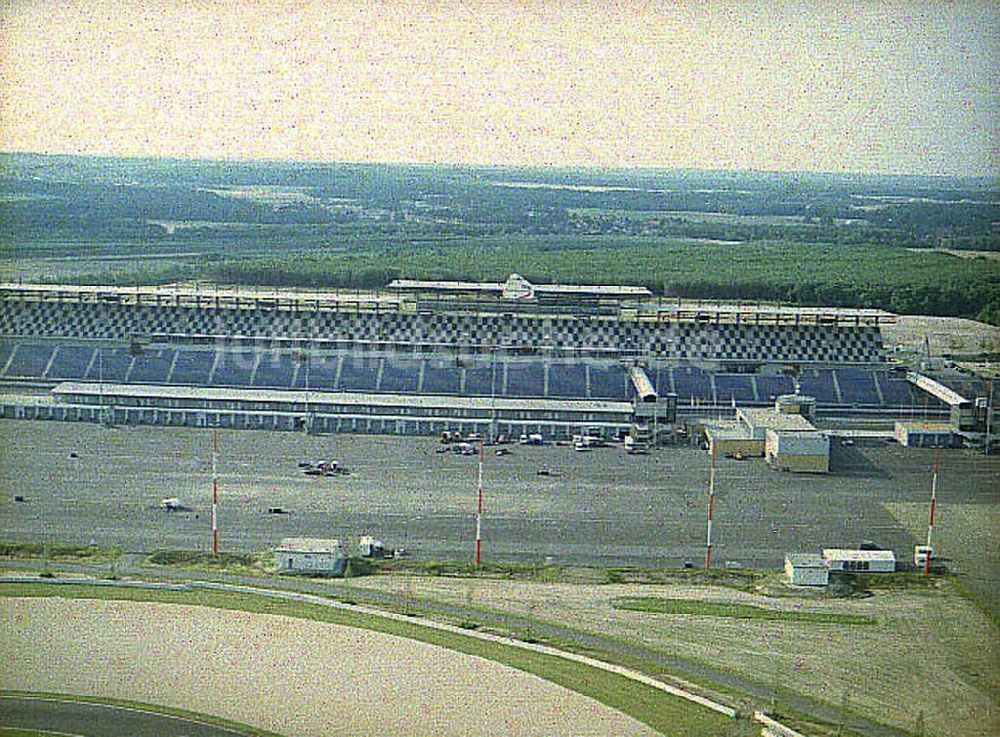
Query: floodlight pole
(711, 503)
(215, 492)
(930, 522)
(479, 507)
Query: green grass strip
(137, 705)
(656, 605)
(59, 552)
(667, 714)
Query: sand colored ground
(929, 651)
(292, 676)
(944, 334)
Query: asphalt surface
(81, 719)
(82, 483)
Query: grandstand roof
(546, 289)
(191, 291)
(70, 388)
(946, 394)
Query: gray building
(311, 555)
(806, 569)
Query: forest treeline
(894, 279)
(814, 239)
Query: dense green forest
(835, 275)
(814, 239)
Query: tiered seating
(608, 382)
(322, 373)
(738, 387)
(152, 366)
(660, 376)
(482, 381)
(769, 387)
(275, 370)
(400, 375)
(693, 382)
(70, 362)
(694, 341)
(857, 386)
(5, 350)
(441, 376)
(359, 374)
(896, 390)
(567, 380)
(234, 367)
(819, 383)
(192, 367)
(111, 364)
(525, 379)
(969, 387)
(29, 360)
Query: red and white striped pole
(930, 522)
(215, 493)
(479, 507)
(711, 503)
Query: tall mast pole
(711, 502)
(215, 492)
(479, 506)
(930, 521)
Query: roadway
(82, 719)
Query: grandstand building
(563, 359)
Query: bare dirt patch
(943, 334)
(292, 676)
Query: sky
(886, 87)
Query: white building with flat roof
(862, 561)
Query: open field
(930, 646)
(943, 335)
(385, 681)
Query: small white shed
(864, 561)
(806, 569)
(311, 555)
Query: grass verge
(254, 564)
(73, 553)
(138, 705)
(656, 605)
(743, 580)
(664, 713)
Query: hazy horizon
(791, 87)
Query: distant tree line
(893, 279)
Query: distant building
(311, 555)
(782, 434)
(798, 452)
(796, 404)
(861, 561)
(806, 569)
(924, 434)
(729, 438)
